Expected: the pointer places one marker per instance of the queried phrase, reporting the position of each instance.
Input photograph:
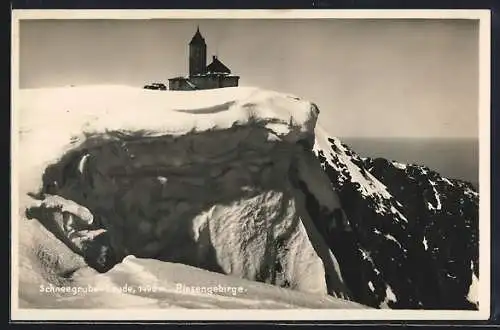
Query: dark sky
(371, 78)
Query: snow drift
(205, 179)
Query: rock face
(240, 182)
(225, 207)
(411, 237)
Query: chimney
(214, 57)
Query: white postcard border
(483, 313)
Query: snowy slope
(445, 212)
(152, 284)
(371, 237)
(412, 232)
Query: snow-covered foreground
(153, 284)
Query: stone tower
(197, 55)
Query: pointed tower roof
(217, 67)
(197, 38)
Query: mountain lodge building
(201, 75)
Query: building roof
(197, 38)
(190, 84)
(217, 67)
(186, 80)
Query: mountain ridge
(397, 241)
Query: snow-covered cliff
(235, 181)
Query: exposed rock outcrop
(410, 239)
